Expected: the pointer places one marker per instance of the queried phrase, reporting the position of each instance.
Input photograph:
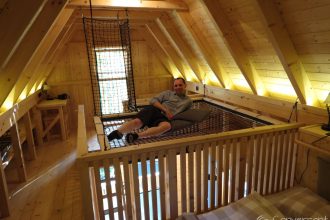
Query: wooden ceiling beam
(26, 48)
(181, 45)
(167, 46)
(38, 56)
(15, 22)
(156, 48)
(209, 56)
(280, 39)
(133, 4)
(114, 14)
(234, 46)
(54, 55)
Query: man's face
(179, 87)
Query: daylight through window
(112, 79)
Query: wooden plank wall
(150, 76)
(71, 74)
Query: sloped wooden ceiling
(275, 48)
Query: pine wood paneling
(150, 76)
(309, 27)
(71, 74)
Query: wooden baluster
(267, 163)
(226, 171)
(232, 167)
(294, 158)
(183, 174)
(98, 188)
(273, 141)
(153, 185)
(241, 165)
(191, 178)
(279, 162)
(285, 144)
(273, 163)
(106, 165)
(4, 201)
(288, 159)
(119, 185)
(212, 175)
(249, 162)
(128, 198)
(18, 153)
(145, 186)
(162, 183)
(262, 163)
(256, 154)
(136, 187)
(198, 178)
(29, 136)
(205, 176)
(219, 172)
(172, 174)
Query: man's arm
(157, 102)
(163, 108)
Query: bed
(294, 203)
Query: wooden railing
(165, 179)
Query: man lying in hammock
(157, 116)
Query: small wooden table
(61, 116)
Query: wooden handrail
(82, 148)
(164, 145)
(267, 153)
(313, 147)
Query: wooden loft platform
(269, 57)
(53, 187)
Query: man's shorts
(151, 116)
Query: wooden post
(172, 184)
(85, 186)
(18, 154)
(38, 121)
(63, 126)
(243, 148)
(4, 206)
(29, 136)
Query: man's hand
(169, 115)
(163, 108)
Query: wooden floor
(53, 188)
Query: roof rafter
(234, 46)
(26, 48)
(154, 45)
(52, 58)
(280, 39)
(209, 56)
(182, 45)
(166, 45)
(21, 19)
(39, 55)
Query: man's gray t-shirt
(173, 102)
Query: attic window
(112, 79)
